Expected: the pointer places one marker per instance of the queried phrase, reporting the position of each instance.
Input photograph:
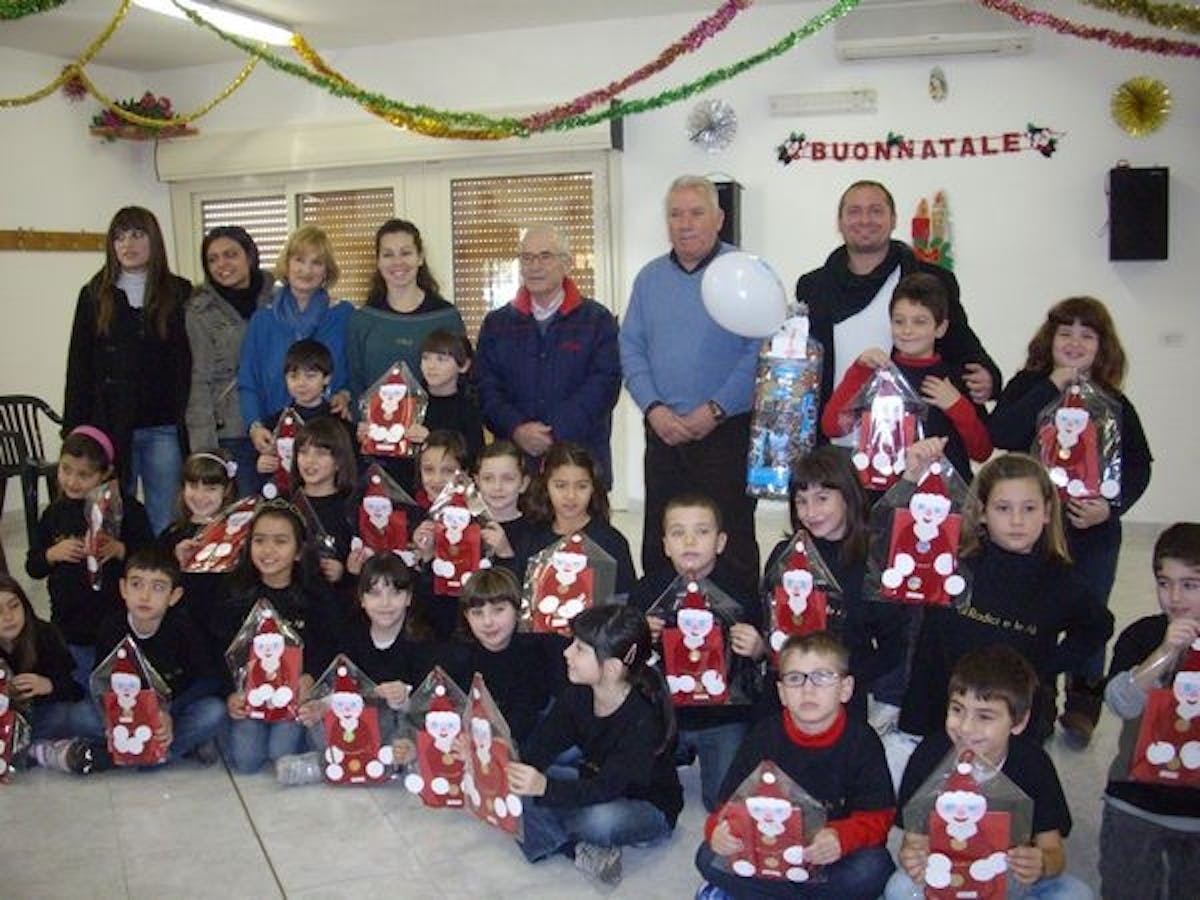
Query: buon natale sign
(897, 147)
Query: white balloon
(744, 295)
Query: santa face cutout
(1070, 423)
(922, 562)
(962, 812)
(564, 590)
(125, 688)
(455, 519)
(443, 728)
(567, 565)
(769, 813)
(694, 656)
(797, 584)
(696, 625)
(378, 510)
(346, 707)
(390, 396)
(269, 650)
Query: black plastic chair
(23, 415)
(12, 452)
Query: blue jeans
(249, 744)
(1060, 887)
(1095, 557)
(716, 747)
(59, 719)
(85, 660)
(157, 461)
(197, 716)
(859, 876)
(249, 481)
(617, 823)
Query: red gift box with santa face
(457, 539)
(391, 406)
(972, 814)
(888, 413)
(266, 658)
(437, 774)
(802, 594)
(380, 514)
(286, 428)
(1079, 443)
(775, 819)
(1167, 751)
(485, 780)
(131, 696)
(219, 543)
(102, 509)
(14, 731)
(564, 579)
(697, 657)
(354, 750)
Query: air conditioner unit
(927, 28)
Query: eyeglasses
(820, 678)
(545, 258)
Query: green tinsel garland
(19, 9)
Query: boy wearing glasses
(991, 695)
(836, 758)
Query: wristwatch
(718, 413)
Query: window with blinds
(350, 218)
(264, 218)
(487, 215)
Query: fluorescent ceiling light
(242, 24)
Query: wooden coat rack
(27, 239)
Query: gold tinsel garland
(182, 118)
(1176, 16)
(1141, 105)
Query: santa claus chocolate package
(131, 697)
(356, 751)
(266, 658)
(435, 710)
(973, 813)
(888, 414)
(491, 749)
(382, 515)
(697, 658)
(784, 421)
(565, 578)
(1079, 442)
(286, 429)
(390, 407)
(14, 730)
(775, 819)
(915, 533)
(1167, 751)
(102, 510)
(458, 511)
(801, 593)
(218, 545)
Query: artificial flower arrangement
(111, 126)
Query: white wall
(1027, 230)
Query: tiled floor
(193, 832)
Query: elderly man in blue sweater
(692, 379)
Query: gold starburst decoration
(1141, 105)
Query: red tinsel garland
(1121, 39)
(706, 28)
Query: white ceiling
(147, 41)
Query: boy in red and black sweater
(836, 758)
(919, 311)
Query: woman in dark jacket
(129, 365)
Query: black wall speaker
(729, 195)
(1137, 213)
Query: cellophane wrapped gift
(103, 510)
(14, 729)
(775, 819)
(131, 696)
(1167, 751)
(436, 710)
(356, 750)
(266, 658)
(383, 516)
(458, 512)
(914, 542)
(802, 595)
(698, 661)
(286, 429)
(565, 578)
(889, 416)
(787, 389)
(1079, 442)
(318, 535)
(390, 407)
(972, 813)
(485, 780)
(219, 543)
